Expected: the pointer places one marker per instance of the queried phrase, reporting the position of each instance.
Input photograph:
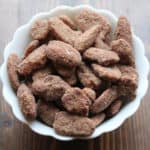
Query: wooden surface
(134, 134)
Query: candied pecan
(86, 39)
(68, 21)
(98, 119)
(128, 82)
(90, 93)
(47, 111)
(34, 61)
(31, 46)
(124, 50)
(104, 100)
(39, 29)
(114, 108)
(100, 43)
(12, 62)
(123, 30)
(108, 73)
(76, 101)
(71, 80)
(129, 92)
(64, 71)
(27, 102)
(65, 33)
(129, 76)
(101, 56)
(87, 18)
(43, 72)
(63, 53)
(87, 77)
(50, 88)
(73, 125)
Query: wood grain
(134, 134)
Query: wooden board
(134, 134)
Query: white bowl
(21, 39)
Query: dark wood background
(134, 134)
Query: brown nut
(73, 125)
(87, 38)
(114, 108)
(65, 33)
(98, 119)
(91, 94)
(64, 71)
(50, 88)
(12, 62)
(39, 29)
(68, 21)
(129, 76)
(108, 73)
(101, 56)
(123, 30)
(27, 102)
(34, 61)
(43, 72)
(124, 50)
(85, 19)
(128, 82)
(47, 111)
(72, 80)
(75, 101)
(31, 46)
(104, 100)
(100, 43)
(127, 91)
(87, 77)
(63, 53)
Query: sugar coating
(87, 77)
(109, 73)
(30, 47)
(129, 76)
(123, 30)
(127, 91)
(27, 102)
(64, 71)
(65, 33)
(12, 63)
(100, 43)
(43, 72)
(98, 119)
(90, 93)
(47, 111)
(73, 125)
(63, 53)
(114, 108)
(68, 21)
(71, 80)
(124, 50)
(34, 61)
(88, 18)
(104, 100)
(39, 29)
(50, 88)
(87, 39)
(128, 82)
(101, 56)
(76, 101)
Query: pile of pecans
(74, 74)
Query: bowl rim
(121, 118)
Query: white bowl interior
(21, 39)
